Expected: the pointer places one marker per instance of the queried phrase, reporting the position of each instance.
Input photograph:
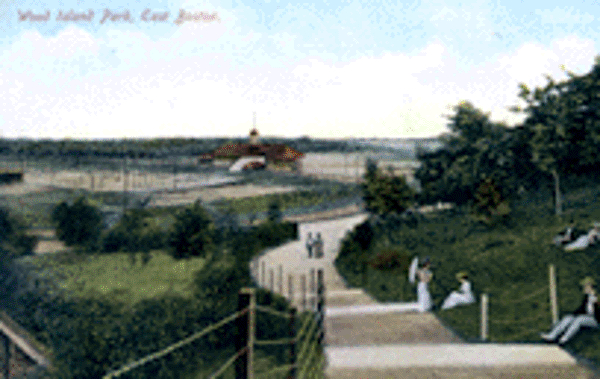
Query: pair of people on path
(463, 296)
(314, 246)
(587, 315)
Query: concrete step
(371, 308)
(347, 297)
(458, 355)
(508, 372)
(382, 329)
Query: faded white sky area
(346, 69)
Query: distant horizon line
(218, 137)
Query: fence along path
(367, 339)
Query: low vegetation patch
(113, 275)
(303, 198)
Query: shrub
(193, 233)
(390, 259)
(489, 206)
(78, 224)
(136, 231)
(13, 240)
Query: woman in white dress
(423, 296)
(463, 296)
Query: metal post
(263, 273)
(303, 290)
(292, 335)
(553, 297)
(484, 317)
(321, 307)
(271, 279)
(280, 286)
(313, 289)
(242, 340)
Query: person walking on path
(587, 315)
(423, 295)
(318, 246)
(463, 296)
(310, 243)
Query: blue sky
(324, 69)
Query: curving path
(365, 339)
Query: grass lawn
(113, 275)
(303, 198)
(509, 263)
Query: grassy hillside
(114, 275)
(510, 263)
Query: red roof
(277, 152)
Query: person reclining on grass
(566, 236)
(461, 297)
(588, 315)
(585, 240)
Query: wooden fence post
(291, 289)
(484, 317)
(241, 340)
(303, 290)
(365, 277)
(553, 297)
(6, 346)
(245, 333)
(321, 307)
(313, 289)
(251, 332)
(280, 287)
(292, 335)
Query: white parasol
(412, 271)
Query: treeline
(559, 138)
(147, 148)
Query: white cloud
(157, 94)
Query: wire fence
(523, 325)
(306, 357)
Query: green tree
(473, 150)
(549, 112)
(386, 194)
(274, 211)
(14, 241)
(489, 205)
(193, 233)
(79, 224)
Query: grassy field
(509, 263)
(286, 200)
(114, 275)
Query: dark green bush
(14, 241)
(79, 224)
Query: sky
(325, 69)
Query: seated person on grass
(461, 297)
(585, 240)
(588, 315)
(565, 236)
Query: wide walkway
(365, 339)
